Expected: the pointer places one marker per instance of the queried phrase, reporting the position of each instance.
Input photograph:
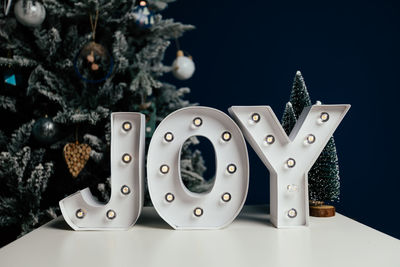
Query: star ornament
(9, 78)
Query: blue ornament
(93, 64)
(142, 15)
(9, 78)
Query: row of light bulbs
(231, 168)
(290, 162)
(324, 117)
(110, 214)
(198, 212)
(226, 197)
(126, 158)
(226, 136)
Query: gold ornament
(76, 155)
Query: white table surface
(249, 241)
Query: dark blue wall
(247, 53)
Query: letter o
(179, 207)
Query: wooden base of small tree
(322, 211)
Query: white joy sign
(288, 159)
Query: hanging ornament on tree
(45, 130)
(30, 13)
(94, 64)
(9, 75)
(142, 14)
(10, 78)
(7, 6)
(76, 155)
(183, 66)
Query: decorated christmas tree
(323, 177)
(65, 67)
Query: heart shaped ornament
(76, 155)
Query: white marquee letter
(82, 212)
(179, 207)
(289, 158)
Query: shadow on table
(150, 219)
(60, 224)
(255, 214)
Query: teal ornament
(9, 78)
(142, 15)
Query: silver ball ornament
(29, 13)
(183, 67)
(45, 130)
